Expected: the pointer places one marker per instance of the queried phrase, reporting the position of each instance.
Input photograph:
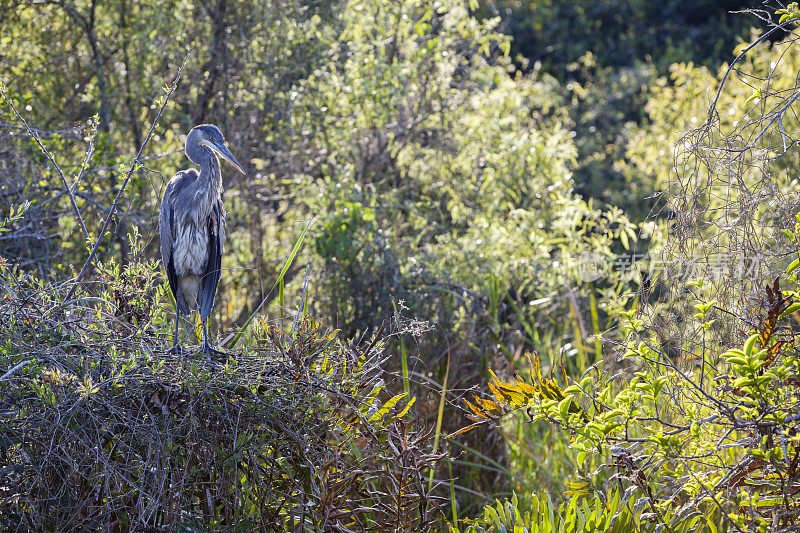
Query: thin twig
(75, 131)
(713, 108)
(14, 370)
(35, 136)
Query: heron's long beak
(225, 154)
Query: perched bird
(192, 227)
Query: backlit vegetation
(493, 266)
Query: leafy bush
(444, 189)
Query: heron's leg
(176, 349)
(208, 349)
(177, 325)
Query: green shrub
(707, 439)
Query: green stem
(598, 345)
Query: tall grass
(278, 282)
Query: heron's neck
(211, 174)
(207, 189)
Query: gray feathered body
(192, 235)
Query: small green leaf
(563, 407)
(790, 310)
(755, 96)
(750, 344)
(505, 47)
(388, 405)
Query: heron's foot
(177, 350)
(210, 352)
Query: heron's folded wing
(167, 231)
(216, 239)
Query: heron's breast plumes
(190, 250)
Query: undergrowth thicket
(101, 429)
(706, 442)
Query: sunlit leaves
(789, 13)
(543, 395)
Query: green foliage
(15, 213)
(720, 426)
(788, 13)
(441, 178)
(679, 104)
(436, 171)
(278, 282)
(572, 516)
(609, 54)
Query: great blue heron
(192, 227)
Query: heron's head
(208, 137)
